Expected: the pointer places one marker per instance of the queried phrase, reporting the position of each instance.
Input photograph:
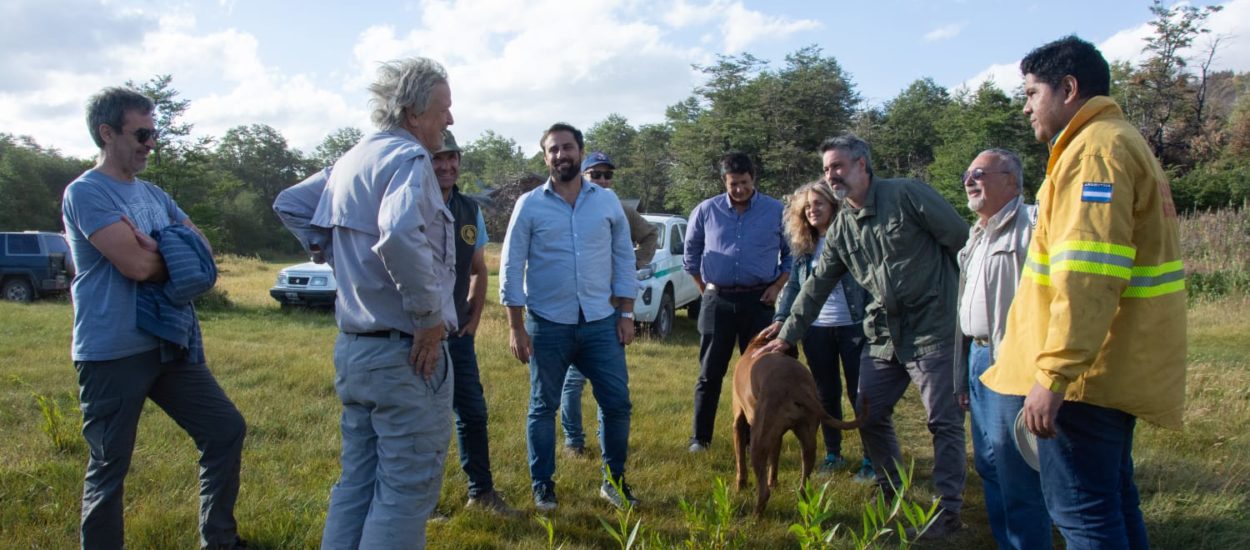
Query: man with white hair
(990, 267)
(390, 238)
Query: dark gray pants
(112, 395)
(883, 382)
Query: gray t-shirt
(104, 299)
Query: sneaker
(437, 517)
(545, 497)
(610, 494)
(238, 543)
(575, 451)
(944, 525)
(865, 474)
(491, 502)
(832, 463)
(698, 447)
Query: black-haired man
(1096, 335)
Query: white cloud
(1006, 76)
(743, 27)
(944, 32)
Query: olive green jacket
(901, 246)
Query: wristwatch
(627, 315)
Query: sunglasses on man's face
(144, 134)
(598, 174)
(978, 174)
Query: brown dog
(774, 393)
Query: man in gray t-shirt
(109, 214)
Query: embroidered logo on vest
(469, 233)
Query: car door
(684, 290)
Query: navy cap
(595, 159)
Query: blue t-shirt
(104, 299)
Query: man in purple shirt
(737, 253)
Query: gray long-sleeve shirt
(392, 246)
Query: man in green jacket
(899, 239)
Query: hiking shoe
(576, 451)
(865, 474)
(832, 463)
(545, 497)
(944, 525)
(618, 499)
(491, 502)
(698, 447)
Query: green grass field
(276, 366)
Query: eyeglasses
(596, 174)
(144, 134)
(978, 174)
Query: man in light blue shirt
(393, 254)
(569, 263)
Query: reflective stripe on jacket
(1100, 311)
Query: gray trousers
(112, 394)
(883, 382)
(396, 426)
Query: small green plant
(550, 527)
(59, 427)
(709, 525)
(624, 536)
(882, 520)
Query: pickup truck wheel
(17, 290)
(663, 324)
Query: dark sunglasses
(596, 174)
(144, 134)
(978, 174)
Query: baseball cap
(449, 143)
(596, 158)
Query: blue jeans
(1087, 478)
(1013, 490)
(395, 427)
(826, 348)
(596, 349)
(571, 408)
(112, 394)
(469, 404)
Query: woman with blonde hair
(837, 335)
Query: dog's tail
(843, 424)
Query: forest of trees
(1197, 120)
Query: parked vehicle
(34, 264)
(664, 287)
(307, 284)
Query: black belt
(735, 289)
(381, 334)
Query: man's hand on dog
(778, 346)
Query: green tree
(905, 135)
(489, 162)
(258, 157)
(335, 144)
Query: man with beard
(899, 239)
(738, 254)
(469, 297)
(989, 272)
(598, 168)
(568, 280)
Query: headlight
(646, 272)
(282, 278)
(318, 281)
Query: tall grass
(1216, 248)
(276, 366)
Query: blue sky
(515, 65)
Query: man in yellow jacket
(1096, 335)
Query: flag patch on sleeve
(1096, 192)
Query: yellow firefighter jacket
(1100, 312)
